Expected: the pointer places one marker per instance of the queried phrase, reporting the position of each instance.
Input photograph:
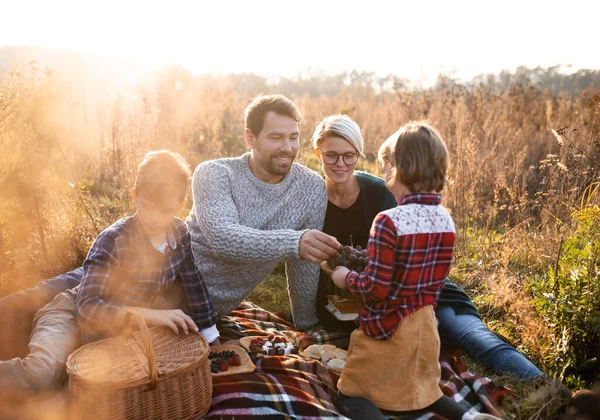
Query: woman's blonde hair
(418, 157)
(339, 125)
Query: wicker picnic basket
(149, 374)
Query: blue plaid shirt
(123, 268)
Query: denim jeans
(54, 337)
(468, 333)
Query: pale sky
(412, 39)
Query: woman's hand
(339, 277)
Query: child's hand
(175, 319)
(339, 277)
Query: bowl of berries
(271, 345)
(228, 359)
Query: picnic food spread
(276, 345)
(271, 345)
(229, 359)
(220, 361)
(333, 357)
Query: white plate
(339, 315)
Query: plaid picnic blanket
(292, 387)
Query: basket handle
(147, 342)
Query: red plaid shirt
(410, 251)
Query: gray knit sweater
(242, 227)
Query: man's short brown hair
(161, 174)
(256, 112)
(418, 156)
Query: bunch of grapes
(222, 360)
(353, 258)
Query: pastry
(336, 364)
(328, 356)
(314, 351)
(341, 353)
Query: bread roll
(328, 356)
(328, 347)
(341, 353)
(336, 364)
(314, 351)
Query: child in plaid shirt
(393, 358)
(143, 262)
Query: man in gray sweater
(254, 211)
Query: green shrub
(568, 299)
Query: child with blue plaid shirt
(143, 262)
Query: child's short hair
(256, 112)
(418, 156)
(341, 126)
(161, 174)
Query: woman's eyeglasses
(331, 158)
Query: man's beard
(276, 167)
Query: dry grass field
(525, 166)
